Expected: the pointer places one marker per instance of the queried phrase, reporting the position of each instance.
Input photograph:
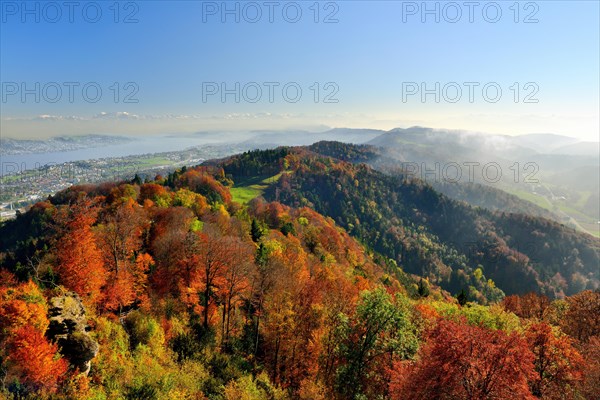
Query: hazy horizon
(288, 130)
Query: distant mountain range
(549, 156)
(557, 173)
(266, 139)
(472, 143)
(467, 143)
(498, 144)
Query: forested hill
(452, 244)
(172, 288)
(192, 295)
(475, 194)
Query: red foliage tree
(461, 361)
(591, 378)
(531, 305)
(170, 246)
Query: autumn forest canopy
(313, 272)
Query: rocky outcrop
(68, 327)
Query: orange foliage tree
(79, 261)
(153, 192)
(216, 255)
(557, 363)
(30, 358)
(22, 305)
(211, 271)
(284, 334)
(201, 182)
(235, 283)
(34, 360)
(119, 237)
(582, 319)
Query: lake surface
(138, 146)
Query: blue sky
(371, 57)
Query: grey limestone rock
(68, 327)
